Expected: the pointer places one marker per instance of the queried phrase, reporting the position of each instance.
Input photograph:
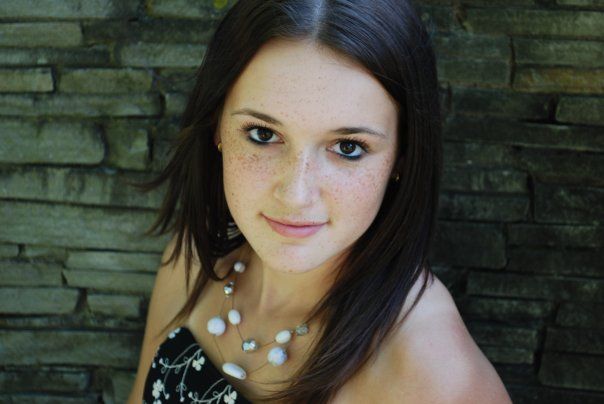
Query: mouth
(295, 231)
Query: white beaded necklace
(217, 326)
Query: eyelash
(362, 144)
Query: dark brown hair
(360, 310)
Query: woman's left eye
(263, 134)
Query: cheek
(358, 197)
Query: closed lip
(298, 223)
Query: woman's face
(302, 169)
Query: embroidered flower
(198, 362)
(230, 398)
(158, 387)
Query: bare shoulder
(430, 358)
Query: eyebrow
(346, 130)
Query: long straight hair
(360, 309)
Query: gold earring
(219, 146)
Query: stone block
(89, 348)
(581, 315)
(500, 208)
(524, 21)
(46, 253)
(52, 142)
(572, 340)
(114, 260)
(473, 72)
(68, 9)
(438, 18)
(505, 355)
(77, 185)
(506, 336)
(205, 9)
(19, 273)
(556, 261)
(111, 281)
(510, 311)
(582, 110)
(559, 52)
(572, 371)
(568, 204)
(552, 235)
(32, 300)
(525, 134)
(468, 180)
(8, 250)
(179, 81)
(471, 245)
(175, 103)
(535, 286)
(97, 55)
(559, 79)
(115, 81)
(37, 79)
(43, 380)
(499, 102)
(118, 386)
(35, 34)
(582, 3)
(128, 146)
(78, 226)
(471, 155)
(114, 305)
(84, 105)
(161, 54)
(522, 394)
(462, 46)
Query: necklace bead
(283, 336)
(234, 317)
(277, 356)
(216, 325)
(249, 345)
(234, 370)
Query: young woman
(302, 200)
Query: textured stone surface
(68, 9)
(161, 55)
(472, 72)
(51, 34)
(69, 348)
(483, 207)
(8, 250)
(118, 386)
(556, 261)
(43, 380)
(113, 81)
(512, 337)
(183, 9)
(112, 281)
(498, 102)
(26, 80)
(128, 146)
(554, 235)
(19, 273)
(76, 185)
(572, 371)
(53, 142)
(584, 341)
(33, 300)
(62, 225)
(568, 204)
(113, 260)
(559, 52)
(559, 79)
(582, 110)
(92, 56)
(498, 180)
(506, 310)
(581, 315)
(114, 305)
(508, 355)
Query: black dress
(182, 373)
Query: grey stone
(506, 310)
(556, 261)
(112, 281)
(52, 142)
(184, 9)
(535, 286)
(45, 252)
(77, 185)
(472, 72)
(559, 52)
(114, 305)
(508, 355)
(499, 102)
(161, 55)
(581, 315)
(43, 380)
(37, 398)
(582, 110)
(89, 105)
(568, 204)
(114, 260)
(175, 103)
(499, 180)
(559, 79)
(97, 55)
(568, 340)
(473, 47)
(90, 348)
(471, 155)
(115, 81)
(506, 208)
(78, 226)
(33, 34)
(128, 146)
(551, 235)
(472, 245)
(118, 386)
(38, 300)
(68, 9)
(523, 394)
(37, 79)
(572, 371)
(8, 250)
(507, 336)
(17, 273)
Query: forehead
(297, 80)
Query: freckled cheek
(247, 171)
(356, 196)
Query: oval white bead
(216, 325)
(234, 370)
(277, 356)
(239, 266)
(283, 336)
(234, 317)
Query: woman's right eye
(258, 134)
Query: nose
(297, 186)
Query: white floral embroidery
(184, 362)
